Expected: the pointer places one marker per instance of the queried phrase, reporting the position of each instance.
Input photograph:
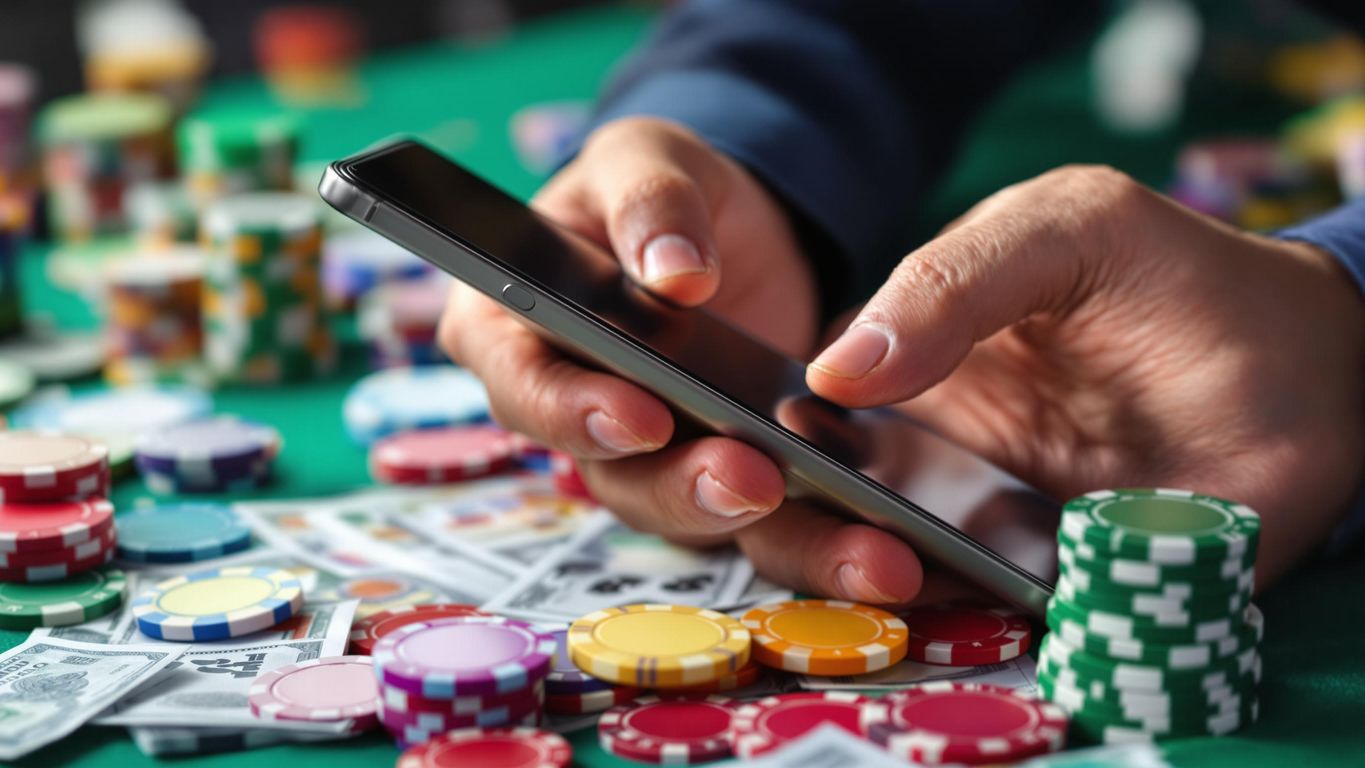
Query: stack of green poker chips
(1153, 632)
(265, 321)
(230, 153)
(80, 598)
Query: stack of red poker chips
(54, 519)
(445, 455)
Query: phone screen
(998, 512)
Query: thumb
(1024, 254)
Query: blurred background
(141, 140)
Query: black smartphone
(875, 465)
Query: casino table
(459, 98)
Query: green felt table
(460, 98)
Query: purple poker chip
(565, 678)
(445, 658)
(209, 453)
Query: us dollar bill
(49, 688)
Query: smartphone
(873, 465)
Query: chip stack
(445, 455)
(1153, 632)
(358, 261)
(447, 674)
(399, 323)
(155, 328)
(265, 322)
(150, 47)
(160, 215)
(222, 156)
(95, 147)
(215, 455)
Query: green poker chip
(1160, 526)
(1127, 627)
(1166, 655)
(1130, 707)
(1087, 726)
(1137, 573)
(1172, 608)
(1117, 578)
(1055, 655)
(77, 599)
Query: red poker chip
(964, 634)
(53, 525)
(972, 723)
(447, 455)
(674, 731)
(512, 711)
(592, 701)
(368, 630)
(51, 466)
(95, 547)
(765, 725)
(568, 481)
(490, 748)
(58, 571)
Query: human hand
(1084, 332)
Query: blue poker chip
(180, 533)
(131, 411)
(217, 603)
(425, 397)
(358, 261)
(208, 454)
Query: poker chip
(593, 701)
(180, 533)
(356, 262)
(53, 525)
(446, 455)
(744, 677)
(379, 593)
(565, 677)
(81, 598)
(425, 397)
(127, 411)
(57, 571)
(674, 731)
(51, 466)
(16, 383)
(496, 655)
(1161, 525)
(319, 690)
(1128, 627)
(209, 454)
(1082, 561)
(1163, 610)
(970, 723)
(652, 645)
(401, 702)
(218, 603)
(825, 637)
(94, 547)
(1177, 656)
(759, 727)
(513, 710)
(52, 355)
(1055, 654)
(368, 630)
(966, 635)
(492, 748)
(1073, 692)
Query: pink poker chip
(447, 455)
(319, 690)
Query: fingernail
(717, 498)
(614, 436)
(856, 353)
(855, 586)
(670, 256)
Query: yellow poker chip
(218, 603)
(658, 646)
(826, 637)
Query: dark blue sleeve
(847, 109)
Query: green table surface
(460, 98)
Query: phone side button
(518, 297)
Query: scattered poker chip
(400, 702)
(57, 571)
(445, 455)
(825, 637)
(53, 525)
(514, 710)
(565, 677)
(674, 731)
(966, 635)
(497, 655)
(592, 701)
(53, 355)
(97, 546)
(972, 723)
(319, 690)
(425, 397)
(206, 454)
(1160, 525)
(653, 646)
(368, 630)
(502, 747)
(744, 677)
(759, 727)
(180, 533)
(51, 466)
(129, 411)
(16, 383)
(1170, 656)
(218, 603)
(81, 598)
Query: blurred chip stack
(308, 52)
(96, 147)
(221, 156)
(155, 326)
(160, 215)
(1154, 635)
(265, 319)
(399, 322)
(358, 261)
(152, 46)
